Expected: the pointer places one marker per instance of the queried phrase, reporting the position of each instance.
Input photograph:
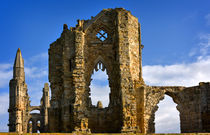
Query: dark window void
(167, 117)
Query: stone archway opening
(99, 86)
(167, 117)
(35, 111)
(30, 126)
(38, 124)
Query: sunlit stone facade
(112, 40)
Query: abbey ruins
(112, 41)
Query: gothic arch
(102, 66)
(158, 94)
(81, 46)
(32, 108)
(29, 125)
(172, 116)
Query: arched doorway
(38, 123)
(30, 126)
(167, 118)
(35, 111)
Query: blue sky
(175, 33)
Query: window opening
(99, 87)
(102, 35)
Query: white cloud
(36, 72)
(4, 103)
(204, 44)
(41, 58)
(99, 88)
(167, 117)
(207, 17)
(35, 91)
(100, 93)
(37, 66)
(100, 75)
(202, 49)
(36, 69)
(193, 52)
(3, 125)
(5, 74)
(182, 74)
(178, 74)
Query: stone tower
(45, 104)
(20, 110)
(112, 40)
(19, 99)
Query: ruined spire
(18, 68)
(19, 62)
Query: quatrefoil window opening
(102, 35)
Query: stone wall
(205, 106)
(111, 42)
(72, 59)
(190, 101)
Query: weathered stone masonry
(110, 41)
(75, 55)
(19, 105)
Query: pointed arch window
(99, 86)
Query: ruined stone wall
(112, 41)
(205, 106)
(140, 106)
(190, 110)
(56, 81)
(75, 55)
(68, 94)
(116, 53)
(189, 104)
(104, 52)
(134, 46)
(126, 80)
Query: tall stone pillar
(205, 106)
(19, 99)
(45, 107)
(79, 106)
(128, 45)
